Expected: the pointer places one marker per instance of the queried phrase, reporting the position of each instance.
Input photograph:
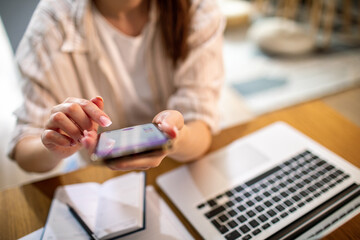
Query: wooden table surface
(24, 209)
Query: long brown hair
(175, 24)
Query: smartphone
(131, 142)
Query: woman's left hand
(169, 121)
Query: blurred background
(277, 53)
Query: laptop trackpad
(238, 161)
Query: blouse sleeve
(31, 115)
(39, 78)
(199, 78)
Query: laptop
(275, 183)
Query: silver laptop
(273, 184)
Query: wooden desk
(24, 209)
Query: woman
(157, 61)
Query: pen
(82, 223)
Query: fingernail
(87, 133)
(160, 126)
(100, 98)
(165, 124)
(173, 132)
(176, 131)
(105, 122)
(162, 117)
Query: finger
(75, 112)
(59, 121)
(137, 164)
(51, 137)
(98, 101)
(93, 111)
(170, 122)
(89, 140)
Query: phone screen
(122, 142)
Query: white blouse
(65, 54)
(127, 57)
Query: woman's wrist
(179, 141)
(193, 141)
(31, 155)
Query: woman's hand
(73, 124)
(169, 121)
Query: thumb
(170, 122)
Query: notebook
(112, 209)
(161, 222)
(273, 184)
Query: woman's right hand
(74, 124)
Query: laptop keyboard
(273, 196)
